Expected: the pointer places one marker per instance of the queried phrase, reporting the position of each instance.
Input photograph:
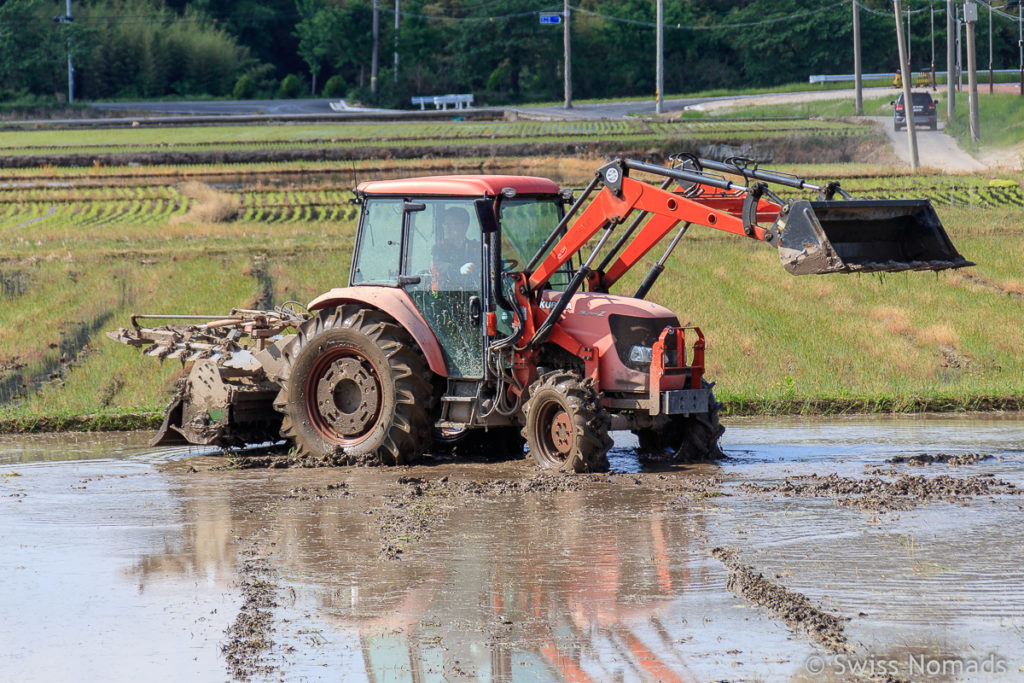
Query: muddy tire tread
(410, 430)
(589, 421)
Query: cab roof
(459, 185)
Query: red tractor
(483, 303)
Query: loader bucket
(864, 236)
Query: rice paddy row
(32, 209)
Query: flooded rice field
(836, 549)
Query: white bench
(442, 101)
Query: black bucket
(864, 236)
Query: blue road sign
(553, 18)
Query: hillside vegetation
(495, 49)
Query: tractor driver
(455, 255)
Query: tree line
(496, 49)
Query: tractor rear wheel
(357, 387)
(685, 438)
(566, 429)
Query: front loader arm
(826, 235)
(623, 195)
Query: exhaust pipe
(864, 236)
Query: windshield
(526, 223)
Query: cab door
(450, 303)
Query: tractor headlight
(641, 354)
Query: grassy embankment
(84, 248)
(1000, 121)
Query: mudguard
(396, 303)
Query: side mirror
(892, 103)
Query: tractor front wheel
(357, 388)
(566, 429)
(685, 438)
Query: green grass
(388, 135)
(1000, 118)
(799, 86)
(831, 108)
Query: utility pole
(66, 20)
(950, 60)
(398, 13)
(858, 101)
(908, 102)
(933, 47)
(376, 40)
(971, 17)
(959, 50)
(659, 75)
(568, 54)
(71, 69)
(991, 82)
(909, 56)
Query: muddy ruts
(248, 637)
(794, 609)
(878, 494)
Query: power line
(712, 27)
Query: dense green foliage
(495, 49)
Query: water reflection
(501, 587)
(135, 556)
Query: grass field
(387, 137)
(84, 248)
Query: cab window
(378, 255)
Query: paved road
(611, 110)
(220, 108)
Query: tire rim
(343, 396)
(555, 432)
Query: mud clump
(336, 490)
(423, 504)
(951, 459)
(408, 517)
(337, 458)
(794, 609)
(541, 483)
(248, 638)
(697, 487)
(878, 494)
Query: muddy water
(120, 559)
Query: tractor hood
(614, 324)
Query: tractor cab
(426, 236)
